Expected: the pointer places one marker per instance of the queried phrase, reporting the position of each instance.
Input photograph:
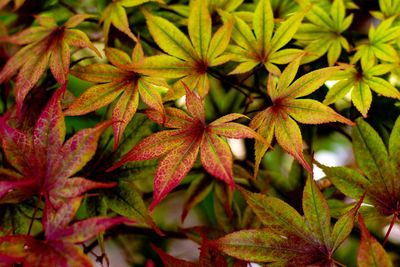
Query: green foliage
(142, 138)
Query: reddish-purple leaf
(170, 261)
(181, 146)
(153, 146)
(45, 45)
(371, 253)
(124, 111)
(216, 158)
(77, 151)
(82, 231)
(194, 104)
(173, 168)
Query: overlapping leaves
(264, 46)
(121, 79)
(60, 245)
(360, 83)
(323, 33)
(115, 14)
(179, 147)
(380, 170)
(380, 44)
(279, 120)
(188, 60)
(45, 45)
(287, 238)
(43, 164)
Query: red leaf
(370, 252)
(216, 157)
(44, 162)
(170, 261)
(174, 167)
(194, 104)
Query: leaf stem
(223, 79)
(390, 228)
(338, 263)
(125, 229)
(34, 214)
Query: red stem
(34, 214)
(390, 227)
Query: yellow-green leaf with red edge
(199, 27)
(286, 109)
(190, 59)
(361, 82)
(179, 147)
(262, 47)
(115, 14)
(370, 252)
(170, 261)
(123, 79)
(47, 44)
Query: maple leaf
(380, 44)
(226, 5)
(43, 163)
(370, 252)
(170, 261)
(287, 238)
(179, 147)
(279, 120)
(262, 47)
(47, 44)
(326, 4)
(187, 60)
(119, 79)
(388, 9)
(380, 168)
(115, 14)
(323, 33)
(361, 82)
(60, 245)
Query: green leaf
(286, 31)
(348, 181)
(169, 37)
(316, 211)
(199, 27)
(263, 23)
(126, 201)
(371, 155)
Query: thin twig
(33, 215)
